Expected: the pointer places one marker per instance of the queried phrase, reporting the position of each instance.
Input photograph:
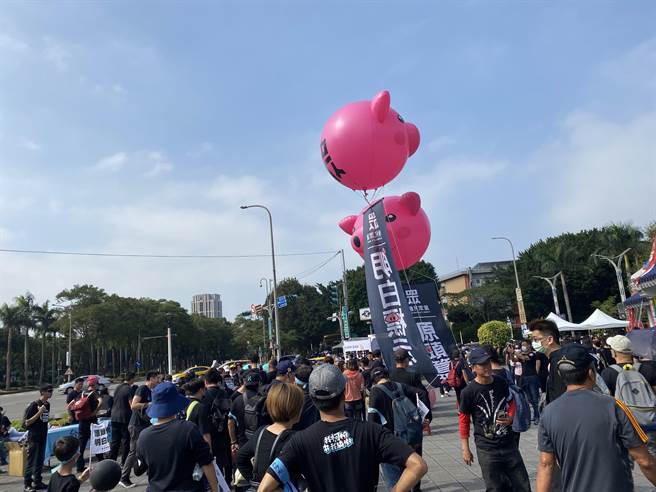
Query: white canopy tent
(601, 321)
(564, 325)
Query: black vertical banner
(424, 302)
(391, 317)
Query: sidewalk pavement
(446, 470)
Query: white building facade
(208, 305)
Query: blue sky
(142, 126)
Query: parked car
(195, 371)
(241, 364)
(103, 382)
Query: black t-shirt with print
(63, 483)
(38, 431)
(200, 416)
(343, 455)
(170, 452)
(139, 418)
(484, 402)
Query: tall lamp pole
(518, 289)
(278, 349)
(554, 292)
(69, 354)
(267, 283)
(616, 261)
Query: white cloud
(13, 44)
(118, 89)
(30, 145)
(237, 190)
(440, 143)
(114, 162)
(159, 168)
(56, 53)
(605, 171)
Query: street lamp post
(518, 289)
(278, 349)
(69, 354)
(554, 292)
(616, 261)
(267, 283)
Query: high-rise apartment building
(208, 305)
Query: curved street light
(275, 292)
(518, 289)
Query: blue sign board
(282, 301)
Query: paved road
(446, 471)
(15, 404)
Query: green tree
(45, 317)
(495, 333)
(25, 304)
(11, 317)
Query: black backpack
(253, 413)
(219, 410)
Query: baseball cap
(45, 388)
(285, 366)
(401, 355)
(574, 356)
(620, 343)
(479, 356)
(379, 372)
(326, 382)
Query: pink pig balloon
(365, 144)
(407, 227)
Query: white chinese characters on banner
(99, 439)
(357, 348)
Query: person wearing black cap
(486, 401)
(170, 449)
(246, 412)
(338, 453)
(376, 360)
(400, 374)
(590, 434)
(36, 423)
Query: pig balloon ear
(347, 223)
(380, 105)
(411, 201)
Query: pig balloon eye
(390, 218)
(400, 118)
(356, 241)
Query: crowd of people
(345, 425)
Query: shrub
(495, 333)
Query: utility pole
(344, 324)
(567, 305)
(518, 289)
(554, 292)
(616, 261)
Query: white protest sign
(423, 409)
(223, 485)
(99, 439)
(358, 347)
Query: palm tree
(26, 305)
(11, 318)
(45, 318)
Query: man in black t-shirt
(84, 427)
(197, 411)
(170, 449)
(139, 421)
(338, 453)
(217, 400)
(486, 401)
(121, 413)
(36, 423)
(381, 412)
(530, 381)
(546, 333)
(73, 395)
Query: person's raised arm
(645, 461)
(545, 471)
(136, 403)
(415, 468)
(268, 484)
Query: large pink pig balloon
(365, 144)
(407, 227)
